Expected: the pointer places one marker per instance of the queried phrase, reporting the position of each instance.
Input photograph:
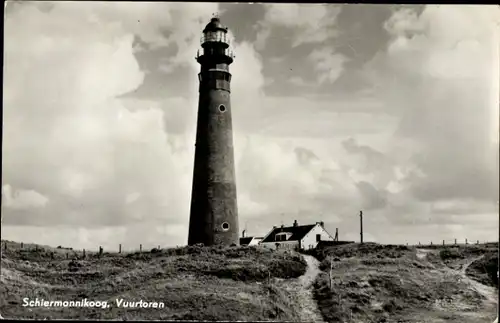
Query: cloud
(119, 170)
(22, 199)
(297, 80)
(114, 163)
(311, 23)
(68, 137)
(328, 64)
(437, 80)
(442, 91)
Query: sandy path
(422, 253)
(488, 292)
(303, 290)
(309, 310)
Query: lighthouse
(214, 211)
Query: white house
(297, 236)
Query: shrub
(450, 254)
(485, 269)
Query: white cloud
(22, 199)
(309, 23)
(67, 136)
(121, 170)
(132, 197)
(328, 64)
(439, 82)
(297, 80)
(312, 23)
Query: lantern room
(215, 32)
(215, 45)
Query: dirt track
(302, 289)
(488, 293)
(309, 310)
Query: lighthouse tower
(214, 212)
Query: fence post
(330, 276)
(22, 245)
(158, 247)
(100, 251)
(140, 248)
(83, 253)
(67, 256)
(431, 243)
(120, 248)
(466, 241)
(455, 241)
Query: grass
(381, 283)
(370, 283)
(464, 252)
(195, 283)
(485, 270)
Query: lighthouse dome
(214, 25)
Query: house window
(318, 237)
(280, 237)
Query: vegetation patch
(378, 283)
(485, 269)
(194, 283)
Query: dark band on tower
(214, 211)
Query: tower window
(222, 108)
(225, 226)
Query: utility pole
(361, 225)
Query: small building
(296, 236)
(250, 241)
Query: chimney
(243, 233)
(282, 226)
(322, 224)
(295, 223)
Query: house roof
(297, 232)
(245, 240)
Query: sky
(337, 108)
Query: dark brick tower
(214, 211)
